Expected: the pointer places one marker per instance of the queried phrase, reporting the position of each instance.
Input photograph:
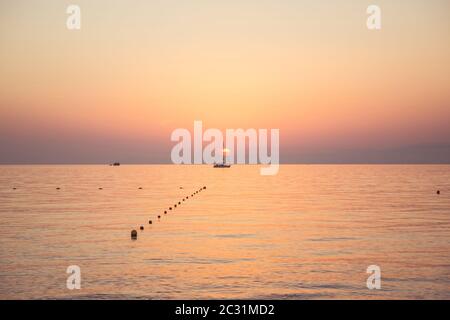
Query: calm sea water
(309, 232)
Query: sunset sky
(137, 70)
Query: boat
(224, 161)
(116, 164)
(221, 165)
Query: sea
(309, 232)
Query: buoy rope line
(134, 233)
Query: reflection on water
(309, 232)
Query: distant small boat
(221, 165)
(224, 161)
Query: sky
(137, 70)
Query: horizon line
(236, 164)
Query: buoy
(140, 188)
(438, 192)
(14, 188)
(100, 188)
(179, 202)
(204, 187)
(165, 212)
(150, 222)
(181, 187)
(170, 208)
(133, 234)
(58, 188)
(175, 205)
(142, 228)
(183, 198)
(159, 217)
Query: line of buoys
(134, 232)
